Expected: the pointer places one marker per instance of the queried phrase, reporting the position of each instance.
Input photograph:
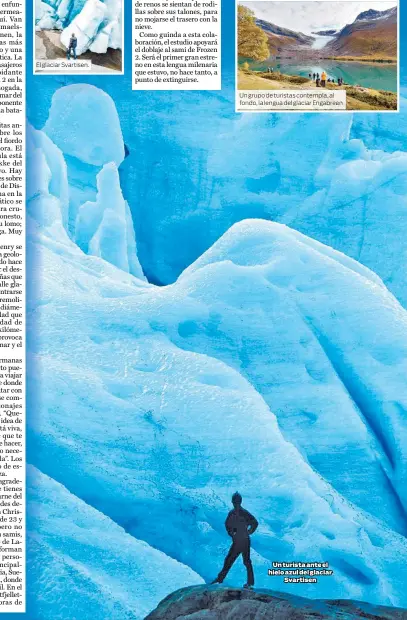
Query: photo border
(237, 111)
(78, 73)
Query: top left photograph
(78, 36)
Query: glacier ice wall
(150, 433)
(72, 550)
(194, 170)
(73, 177)
(274, 365)
(97, 24)
(105, 228)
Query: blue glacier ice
(274, 362)
(97, 24)
(105, 228)
(150, 433)
(71, 553)
(310, 173)
(84, 125)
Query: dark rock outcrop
(223, 603)
(325, 33)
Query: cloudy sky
(314, 15)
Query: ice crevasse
(97, 24)
(253, 371)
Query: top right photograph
(336, 46)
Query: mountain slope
(373, 34)
(283, 39)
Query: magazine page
(203, 322)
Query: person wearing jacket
(240, 525)
(323, 78)
(73, 42)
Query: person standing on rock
(240, 525)
(73, 42)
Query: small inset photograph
(317, 56)
(78, 37)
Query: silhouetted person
(313, 76)
(240, 524)
(73, 42)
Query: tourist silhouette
(240, 525)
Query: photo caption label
(277, 100)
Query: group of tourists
(322, 80)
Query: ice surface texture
(72, 552)
(97, 24)
(195, 169)
(275, 365)
(73, 177)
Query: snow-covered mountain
(372, 14)
(283, 39)
(274, 365)
(373, 34)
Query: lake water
(371, 75)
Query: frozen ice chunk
(83, 123)
(105, 228)
(45, 17)
(110, 240)
(115, 39)
(46, 173)
(47, 183)
(85, 25)
(101, 42)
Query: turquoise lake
(371, 75)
